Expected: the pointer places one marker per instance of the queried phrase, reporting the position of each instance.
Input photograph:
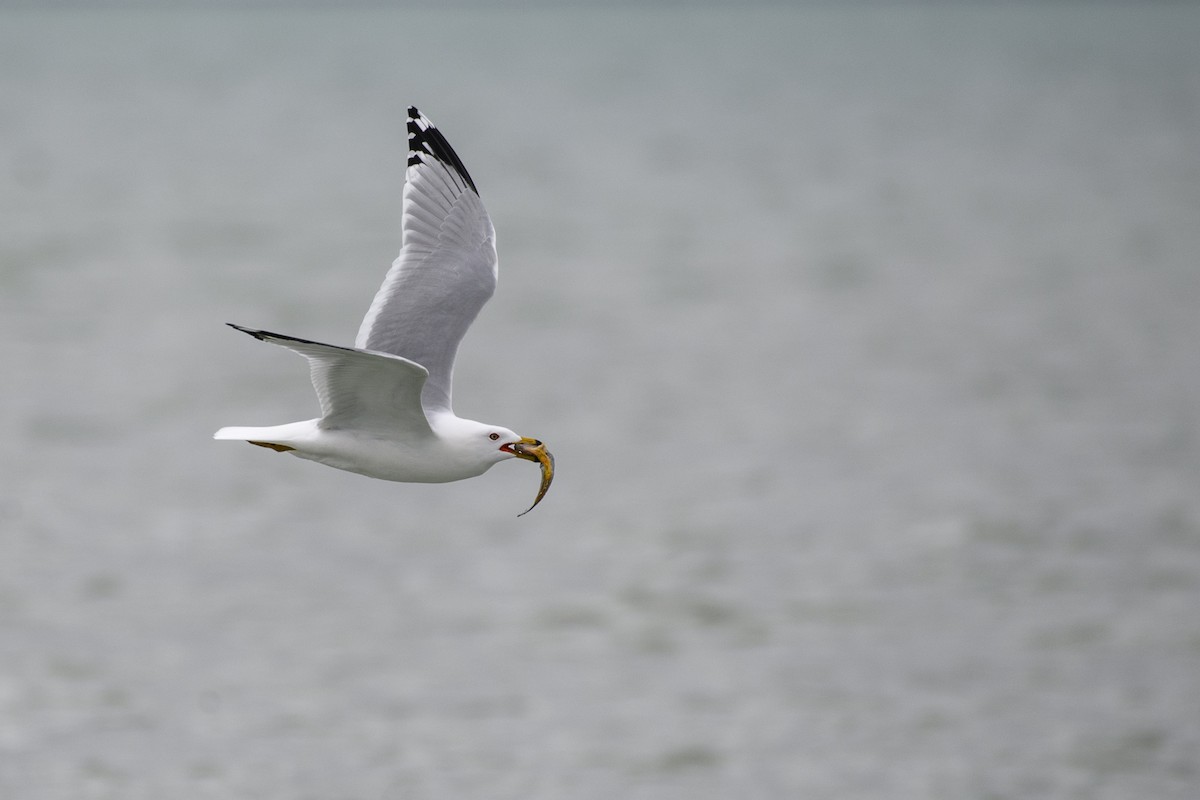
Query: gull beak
(533, 450)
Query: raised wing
(446, 270)
(360, 390)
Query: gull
(385, 403)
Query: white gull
(385, 403)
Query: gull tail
(281, 438)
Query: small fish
(533, 450)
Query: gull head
(490, 444)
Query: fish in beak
(533, 450)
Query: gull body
(386, 402)
(448, 455)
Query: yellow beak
(533, 450)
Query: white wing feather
(360, 390)
(446, 270)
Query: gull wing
(360, 390)
(446, 270)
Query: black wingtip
(424, 139)
(278, 338)
(256, 334)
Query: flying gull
(385, 403)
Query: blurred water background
(866, 336)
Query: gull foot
(279, 448)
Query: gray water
(867, 340)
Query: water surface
(866, 340)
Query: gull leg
(279, 448)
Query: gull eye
(493, 436)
